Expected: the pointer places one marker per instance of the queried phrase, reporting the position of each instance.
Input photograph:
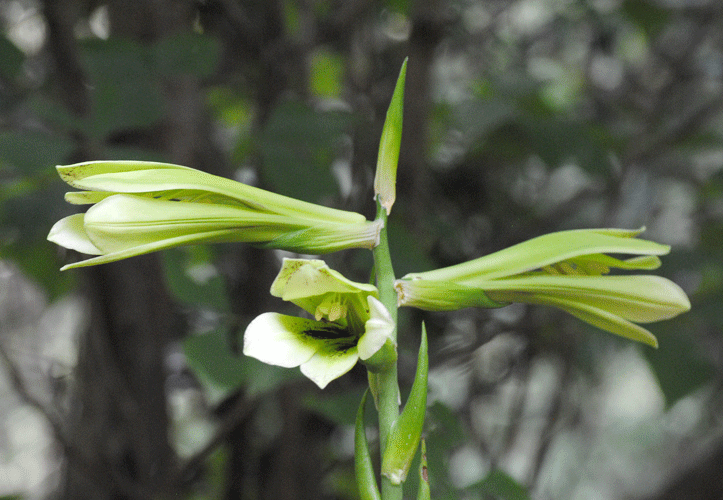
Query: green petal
(154, 246)
(600, 318)
(637, 298)
(70, 233)
(146, 177)
(544, 251)
(124, 221)
(329, 364)
(306, 282)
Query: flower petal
(600, 318)
(377, 330)
(279, 340)
(145, 177)
(70, 233)
(637, 298)
(543, 251)
(328, 364)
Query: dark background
(126, 381)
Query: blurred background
(126, 381)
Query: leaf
(679, 365)
(33, 152)
(187, 53)
(222, 371)
(298, 146)
(11, 59)
(501, 486)
(406, 431)
(363, 467)
(206, 289)
(125, 92)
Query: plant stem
(388, 384)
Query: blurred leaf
(39, 261)
(679, 364)
(501, 487)
(298, 146)
(559, 141)
(339, 407)
(650, 17)
(223, 371)
(187, 53)
(31, 152)
(326, 74)
(125, 92)
(408, 253)
(192, 278)
(11, 59)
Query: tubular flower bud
(141, 207)
(567, 270)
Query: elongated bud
(363, 468)
(407, 429)
(385, 180)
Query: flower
(566, 270)
(349, 323)
(141, 207)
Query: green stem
(388, 399)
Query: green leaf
(406, 432)
(33, 152)
(125, 92)
(363, 467)
(679, 364)
(192, 279)
(385, 179)
(326, 74)
(187, 53)
(222, 371)
(11, 59)
(649, 16)
(298, 146)
(501, 486)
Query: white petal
(278, 340)
(70, 233)
(378, 328)
(326, 365)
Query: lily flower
(141, 207)
(350, 323)
(567, 270)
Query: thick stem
(388, 398)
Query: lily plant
(142, 207)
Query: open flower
(349, 323)
(141, 207)
(566, 270)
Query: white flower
(350, 323)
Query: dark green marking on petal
(328, 332)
